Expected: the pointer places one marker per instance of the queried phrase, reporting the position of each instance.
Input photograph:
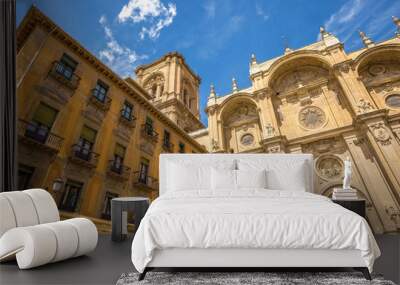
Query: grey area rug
(233, 278)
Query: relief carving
(381, 133)
(312, 117)
(329, 167)
(300, 78)
(364, 106)
(270, 130)
(242, 114)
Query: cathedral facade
(321, 100)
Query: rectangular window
(144, 171)
(119, 154)
(166, 138)
(42, 121)
(127, 111)
(149, 125)
(24, 176)
(100, 91)
(106, 212)
(181, 147)
(66, 66)
(85, 143)
(71, 196)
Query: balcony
(118, 171)
(64, 75)
(146, 182)
(126, 121)
(103, 105)
(39, 136)
(83, 156)
(168, 147)
(149, 133)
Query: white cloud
(371, 16)
(260, 12)
(120, 58)
(153, 12)
(210, 8)
(339, 22)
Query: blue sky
(216, 37)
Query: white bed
(248, 227)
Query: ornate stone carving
(381, 133)
(243, 114)
(364, 106)
(214, 145)
(312, 117)
(270, 130)
(380, 72)
(329, 167)
(274, 149)
(300, 78)
(247, 139)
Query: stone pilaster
(378, 189)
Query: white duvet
(250, 219)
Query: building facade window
(24, 176)
(119, 154)
(149, 126)
(100, 91)
(393, 101)
(185, 97)
(66, 66)
(127, 111)
(181, 147)
(144, 171)
(71, 195)
(85, 143)
(106, 211)
(166, 140)
(42, 122)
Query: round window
(247, 139)
(393, 101)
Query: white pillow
(292, 178)
(184, 177)
(223, 179)
(251, 178)
(288, 174)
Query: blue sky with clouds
(216, 37)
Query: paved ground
(110, 260)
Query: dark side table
(119, 214)
(356, 206)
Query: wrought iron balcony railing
(144, 181)
(129, 121)
(95, 99)
(84, 156)
(149, 133)
(39, 135)
(118, 170)
(64, 74)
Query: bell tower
(174, 89)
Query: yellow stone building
(87, 135)
(321, 100)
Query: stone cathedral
(321, 100)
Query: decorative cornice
(165, 57)
(35, 18)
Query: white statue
(347, 174)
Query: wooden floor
(110, 260)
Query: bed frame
(242, 259)
(248, 259)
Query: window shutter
(88, 134)
(45, 115)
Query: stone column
(367, 165)
(267, 114)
